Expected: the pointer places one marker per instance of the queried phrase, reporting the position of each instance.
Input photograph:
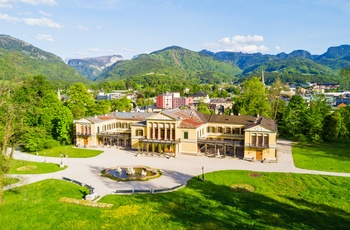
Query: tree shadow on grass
(338, 149)
(84, 193)
(205, 205)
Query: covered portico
(114, 139)
(158, 146)
(222, 147)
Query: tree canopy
(253, 99)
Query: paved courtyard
(175, 171)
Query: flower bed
(85, 202)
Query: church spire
(262, 75)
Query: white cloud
(239, 43)
(94, 50)
(43, 21)
(5, 5)
(44, 13)
(83, 28)
(44, 37)
(10, 3)
(80, 53)
(8, 18)
(37, 2)
(128, 50)
(46, 22)
(278, 48)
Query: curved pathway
(175, 171)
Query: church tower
(262, 75)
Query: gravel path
(175, 171)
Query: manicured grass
(9, 180)
(332, 157)
(279, 201)
(69, 150)
(31, 167)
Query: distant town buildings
(172, 100)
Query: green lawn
(31, 167)
(332, 157)
(8, 181)
(279, 201)
(69, 150)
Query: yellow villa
(181, 131)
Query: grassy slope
(332, 157)
(40, 167)
(280, 201)
(70, 150)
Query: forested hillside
(19, 59)
(173, 62)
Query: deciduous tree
(253, 99)
(80, 101)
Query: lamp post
(66, 152)
(203, 174)
(61, 165)
(45, 157)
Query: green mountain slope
(336, 57)
(19, 59)
(173, 62)
(140, 66)
(193, 61)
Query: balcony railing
(83, 134)
(257, 145)
(204, 140)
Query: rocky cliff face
(92, 67)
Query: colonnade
(161, 131)
(152, 147)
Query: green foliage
(344, 131)
(345, 78)
(122, 104)
(332, 125)
(144, 102)
(46, 121)
(103, 107)
(203, 108)
(80, 101)
(294, 118)
(315, 116)
(253, 99)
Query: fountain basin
(131, 173)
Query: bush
(48, 144)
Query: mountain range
(19, 59)
(208, 66)
(92, 67)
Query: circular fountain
(131, 173)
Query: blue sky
(89, 28)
